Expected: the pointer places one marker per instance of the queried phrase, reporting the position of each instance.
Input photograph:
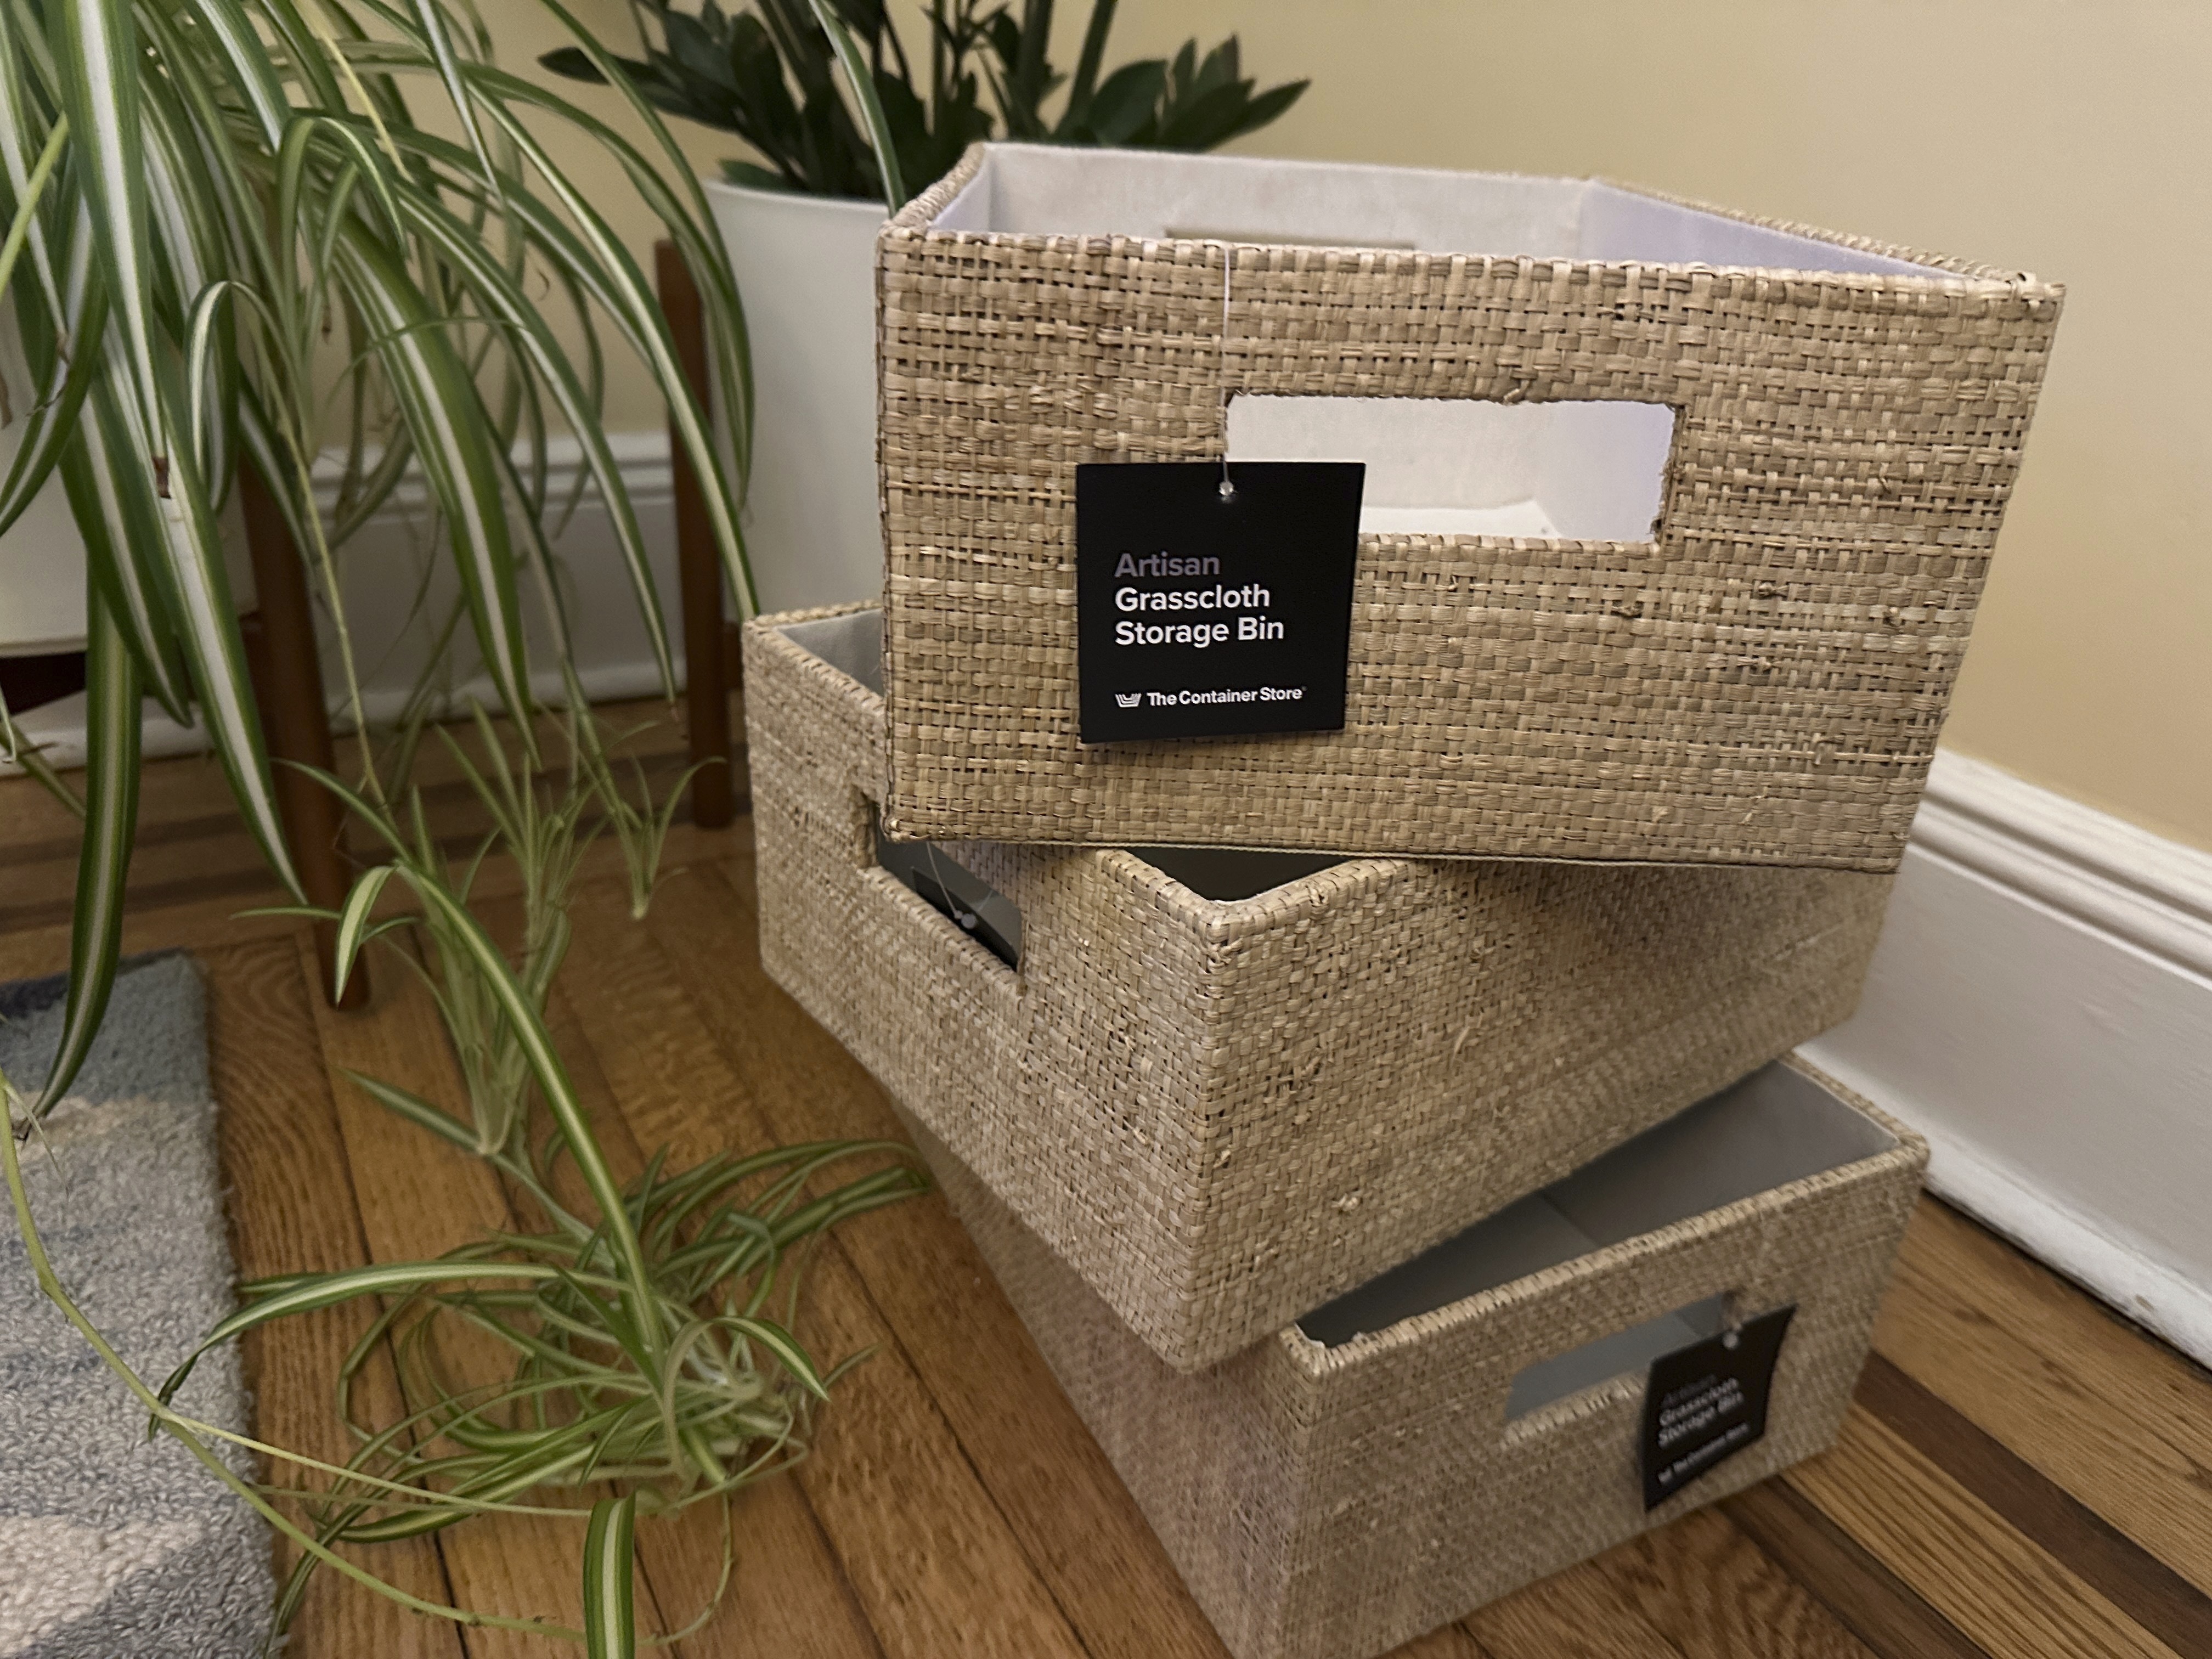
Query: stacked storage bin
(1352, 1153)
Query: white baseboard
(382, 568)
(2040, 1007)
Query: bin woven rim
(1217, 921)
(1315, 1360)
(1949, 274)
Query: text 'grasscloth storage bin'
(1757, 678)
(1331, 1499)
(1224, 1111)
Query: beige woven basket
(1329, 1502)
(1223, 1112)
(1758, 677)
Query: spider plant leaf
(862, 85)
(111, 821)
(415, 1109)
(207, 629)
(503, 298)
(353, 919)
(188, 242)
(437, 398)
(600, 260)
(610, 1615)
(271, 457)
(551, 1076)
(68, 377)
(19, 127)
(120, 529)
(431, 22)
(682, 207)
(785, 1347)
(19, 751)
(95, 47)
(305, 1293)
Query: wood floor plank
(1961, 1557)
(1077, 1521)
(1452, 1642)
(2030, 1475)
(278, 1143)
(1574, 1615)
(1709, 1589)
(788, 1597)
(419, 1198)
(2120, 1421)
(190, 849)
(931, 1556)
(1866, 1597)
(2121, 1570)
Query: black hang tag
(1201, 616)
(1707, 1402)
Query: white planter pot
(41, 555)
(806, 270)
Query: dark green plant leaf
(1125, 105)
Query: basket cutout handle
(984, 917)
(1586, 470)
(1615, 1357)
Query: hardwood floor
(2023, 1473)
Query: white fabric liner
(1775, 1126)
(1582, 472)
(1455, 466)
(1052, 191)
(851, 644)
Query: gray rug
(111, 1545)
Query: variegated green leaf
(95, 45)
(353, 920)
(863, 86)
(18, 751)
(460, 460)
(111, 821)
(415, 1109)
(610, 1613)
(503, 298)
(549, 1072)
(206, 622)
(121, 533)
(785, 1347)
(308, 1292)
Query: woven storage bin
(1331, 1502)
(1757, 679)
(1222, 1113)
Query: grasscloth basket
(1329, 1502)
(1761, 680)
(1223, 1112)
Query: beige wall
(2069, 138)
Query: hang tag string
(1221, 369)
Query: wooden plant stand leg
(287, 685)
(706, 681)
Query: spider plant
(640, 1332)
(640, 1336)
(309, 238)
(764, 72)
(325, 240)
